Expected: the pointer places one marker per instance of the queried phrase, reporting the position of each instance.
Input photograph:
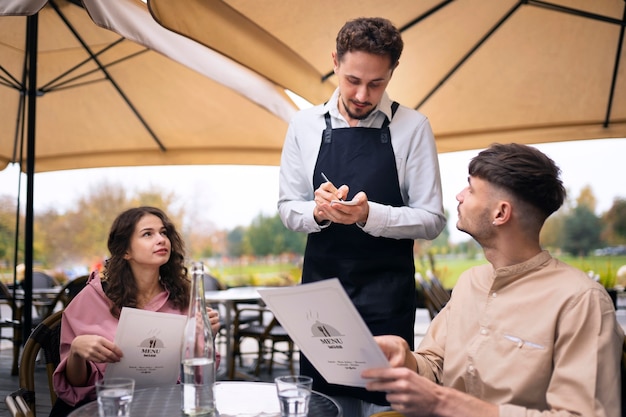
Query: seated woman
(146, 270)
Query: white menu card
(151, 343)
(327, 328)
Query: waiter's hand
(324, 195)
(326, 209)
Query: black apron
(377, 273)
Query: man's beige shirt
(539, 338)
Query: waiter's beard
(354, 116)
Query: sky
(230, 196)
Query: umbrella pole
(32, 23)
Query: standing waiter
(383, 158)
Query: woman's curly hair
(118, 279)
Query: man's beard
(355, 116)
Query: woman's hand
(89, 348)
(214, 319)
(95, 349)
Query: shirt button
(484, 331)
(470, 369)
(494, 294)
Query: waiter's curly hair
(118, 280)
(374, 35)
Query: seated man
(526, 334)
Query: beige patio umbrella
(77, 95)
(481, 70)
(158, 98)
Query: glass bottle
(197, 369)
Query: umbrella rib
(9, 81)
(44, 88)
(576, 12)
(62, 85)
(20, 123)
(469, 54)
(601, 18)
(424, 15)
(19, 130)
(108, 76)
(620, 44)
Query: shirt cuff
(310, 224)
(376, 219)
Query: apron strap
(384, 137)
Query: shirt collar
(507, 274)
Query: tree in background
(8, 211)
(268, 236)
(574, 228)
(582, 229)
(587, 199)
(615, 222)
(551, 235)
(237, 245)
(79, 235)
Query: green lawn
(605, 266)
(448, 270)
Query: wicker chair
(436, 297)
(45, 337)
(17, 406)
(268, 330)
(67, 293)
(14, 322)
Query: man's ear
(502, 213)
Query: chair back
(17, 405)
(67, 293)
(266, 327)
(436, 297)
(6, 296)
(14, 322)
(45, 337)
(43, 280)
(211, 283)
(72, 288)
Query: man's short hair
(524, 171)
(374, 35)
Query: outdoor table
(232, 398)
(38, 293)
(42, 297)
(228, 298)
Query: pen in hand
(327, 180)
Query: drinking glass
(294, 393)
(115, 396)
